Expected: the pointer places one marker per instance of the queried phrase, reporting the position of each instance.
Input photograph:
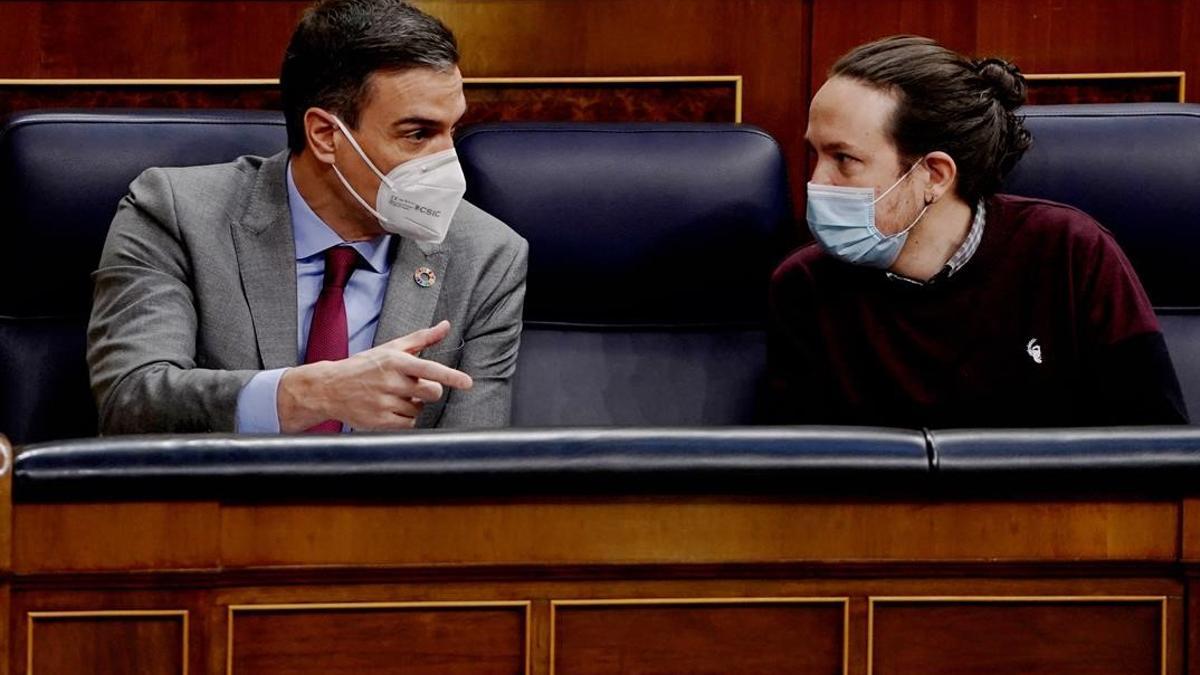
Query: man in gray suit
(342, 284)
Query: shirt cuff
(257, 408)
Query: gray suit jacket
(196, 292)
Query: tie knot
(340, 262)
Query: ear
(319, 130)
(943, 173)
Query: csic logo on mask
(408, 205)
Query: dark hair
(338, 44)
(947, 102)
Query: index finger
(420, 339)
(436, 372)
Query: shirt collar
(962, 256)
(971, 243)
(313, 236)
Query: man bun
(1005, 79)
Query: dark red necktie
(328, 336)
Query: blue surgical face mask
(843, 221)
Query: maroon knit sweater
(1046, 325)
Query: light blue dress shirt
(257, 411)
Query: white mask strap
(353, 143)
(898, 181)
(912, 224)
(358, 197)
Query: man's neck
(323, 193)
(934, 240)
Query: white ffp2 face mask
(418, 198)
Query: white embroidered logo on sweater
(1034, 350)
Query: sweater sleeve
(1134, 379)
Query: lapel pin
(424, 277)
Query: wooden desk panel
(696, 530)
(1032, 636)
(717, 637)
(712, 558)
(383, 638)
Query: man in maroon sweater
(929, 300)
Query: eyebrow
(836, 146)
(419, 121)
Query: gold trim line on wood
(669, 602)
(30, 618)
(1135, 75)
(846, 637)
(616, 602)
(6, 453)
(1015, 598)
(651, 79)
(1162, 628)
(526, 605)
(138, 82)
(999, 599)
(301, 606)
(1143, 75)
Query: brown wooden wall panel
(1067, 36)
(769, 42)
(1055, 637)
(119, 644)
(379, 640)
(837, 26)
(1041, 36)
(140, 38)
(700, 639)
(764, 41)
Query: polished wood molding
(32, 619)
(556, 606)
(586, 531)
(1115, 87)
(1190, 530)
(168, 535)
(710, 530)
(874, 602)
(316, 607)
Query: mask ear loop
(349, 188)
(899, 180)
(357, 148)
(920, 215)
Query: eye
(842, 158)
(418, 135)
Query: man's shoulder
(196, 191)
(477, 233)
(1046, 219)
(201, 179)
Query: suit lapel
(408, 306)
(266, 252)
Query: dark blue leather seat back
(1135, 168)
(61, 176)
(651, 247)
